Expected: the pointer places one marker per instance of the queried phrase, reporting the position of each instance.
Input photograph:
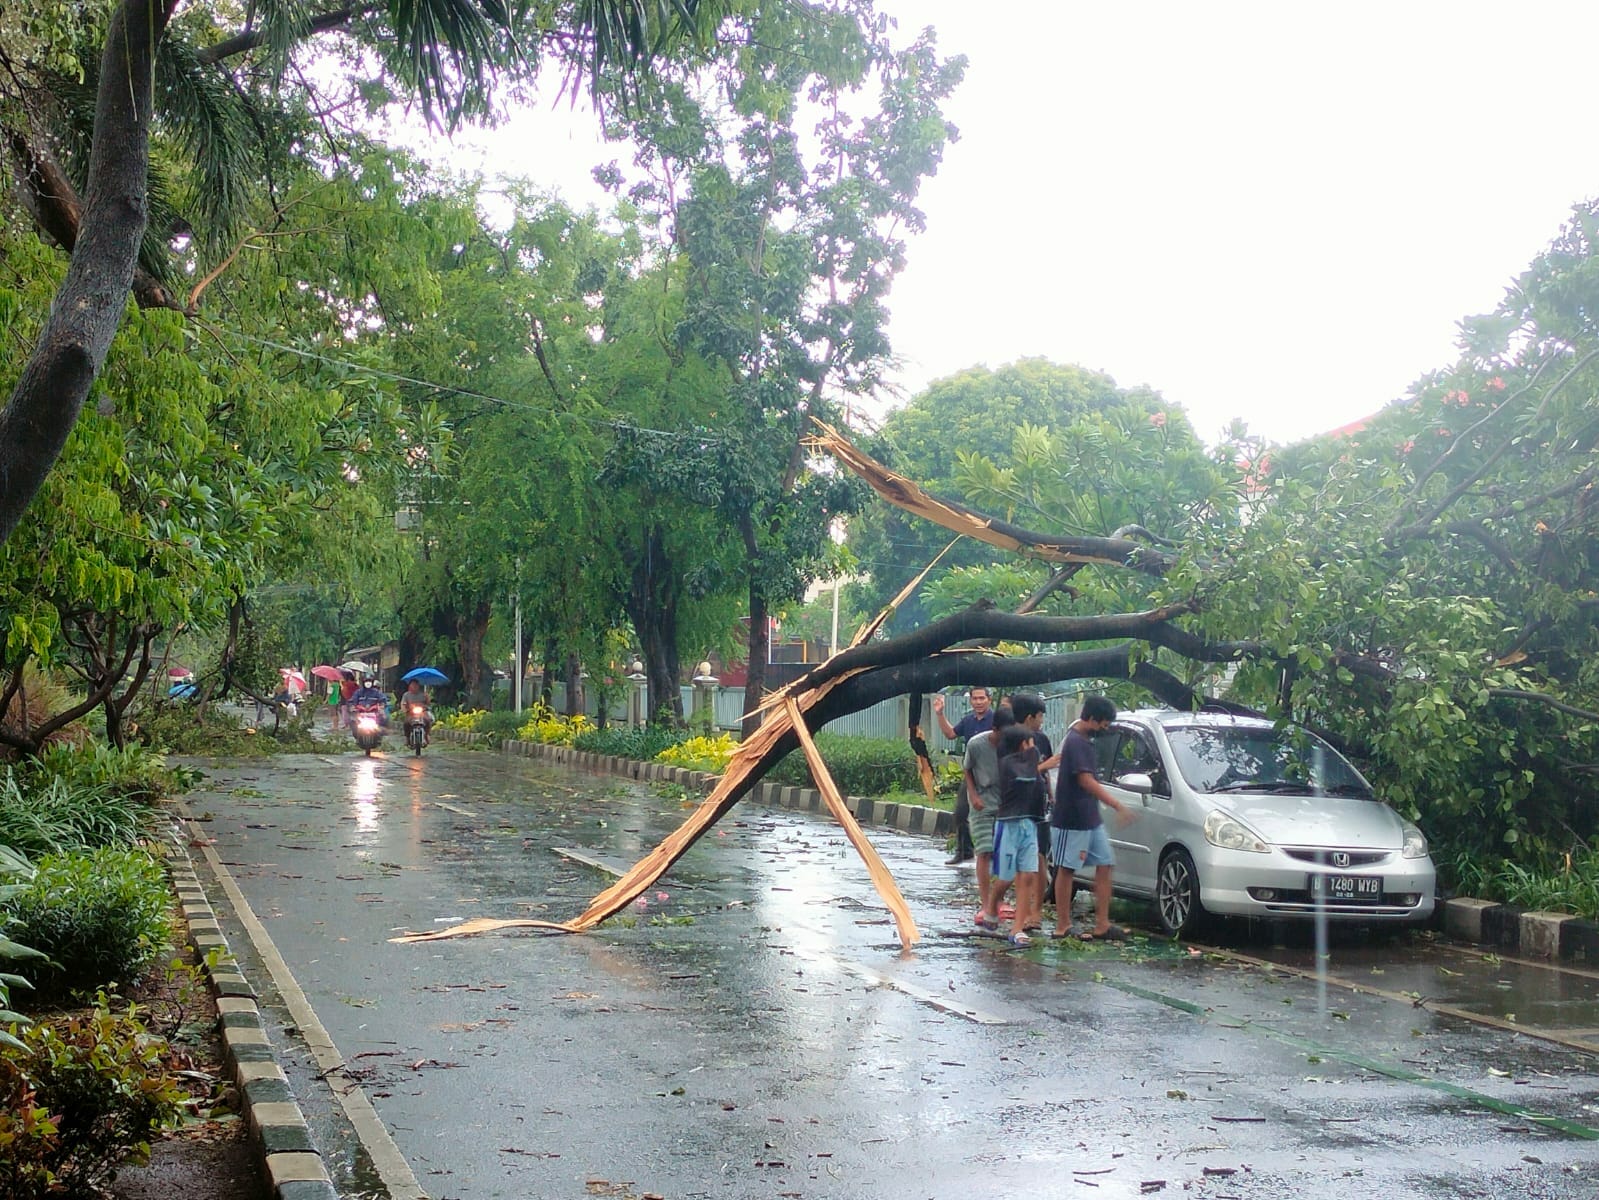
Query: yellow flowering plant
(544, 724)
(701, 753)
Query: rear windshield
(1221, 758)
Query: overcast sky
(1266, 211)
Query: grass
(1570, 885)
(57, 816)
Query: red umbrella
(292, 679)
(331, 674)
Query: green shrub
(15, 874)
(859, 766)
(55, 816)
(78, 1098)
(1569, 885)
(642, 743)
(101, 917)
(136, 772)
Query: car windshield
(1244, 758)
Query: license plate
(1347, 889)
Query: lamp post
(705, 685)
(638, 695)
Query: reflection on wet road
(751, 1027)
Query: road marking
(587, 860)
(915, 991)
(390, 1164)
(463, 811)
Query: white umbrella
(360, 668)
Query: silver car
(1241, 817)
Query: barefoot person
(1077, 831)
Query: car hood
(1287, 820)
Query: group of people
(348, 695)
(1019, 828)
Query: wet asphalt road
(755, 1030)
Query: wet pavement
(753, 1028)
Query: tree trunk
(760, 643)
(574, 684)
(652, 607)
(470, 630)
(547, 680)
(50, 392)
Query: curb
(290, 1160)
(905, 818)
(1529, 934)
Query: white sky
(1267, 211)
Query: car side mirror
(1137, 781)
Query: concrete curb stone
(278, 1128)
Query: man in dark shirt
(1077, 831)
(1028, 709)
(979, 720)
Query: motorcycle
(367, 726)
(416, 730)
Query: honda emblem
(1340, 858)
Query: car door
(1137, 844)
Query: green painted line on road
(1390, 1070)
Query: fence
(886, 719)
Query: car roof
(1172, 718)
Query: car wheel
(1177, 894)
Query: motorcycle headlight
(1230, 833)
(1415, 842)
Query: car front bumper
(1238, 883)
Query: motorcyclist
(367, 696)
(416, 697)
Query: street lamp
(705, 685)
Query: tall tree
(447, 54)
(792, 212)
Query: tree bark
(652, 607)
(50, 392)
(470, 630)
(760, 649)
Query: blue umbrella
(427, 676)
(185, 690)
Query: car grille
(1323, 858)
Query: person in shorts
(1077, 831)
(1021, 800)
(981, 771)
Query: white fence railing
(886, 719)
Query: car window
(1105, 747)
(1217, 758)
(1135, 756)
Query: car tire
(1177, 904)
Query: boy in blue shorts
(1021, 801)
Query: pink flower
(1407, 445)
(1457, 397)
(1496, 384)
(1158, 420)
(641, 903)
(662, 896)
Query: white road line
(391, 1166)
(915, 991)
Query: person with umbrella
(416, 697)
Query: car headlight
(1232, 834)
(1415, 842)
